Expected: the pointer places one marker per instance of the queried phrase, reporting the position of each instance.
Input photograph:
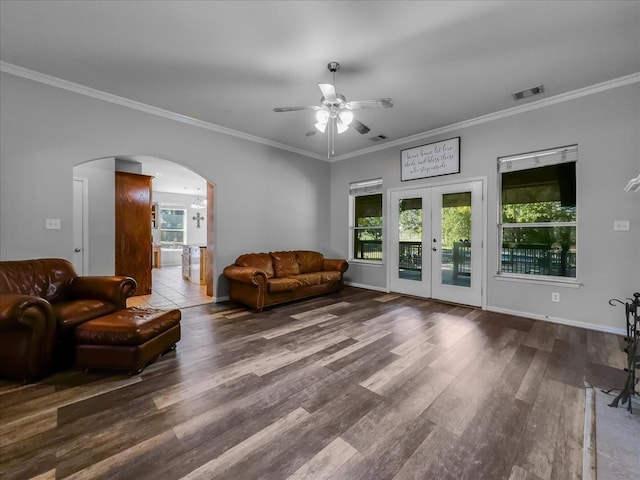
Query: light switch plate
(621, 225)
(52, 224)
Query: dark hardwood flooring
(356, 385)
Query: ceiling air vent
(633, 185)
(378, 138)
(529, 92)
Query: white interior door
(80, 222)
(435, 242)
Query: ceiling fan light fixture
(346, 117)
(321, 127)
(322, 116)
(342, 127)
(335, 112)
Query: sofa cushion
(307, 279)
(262, 261)
(285, 264)
(310, 261)
(331, 276)
(283, 284)
(71, 314)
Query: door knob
(77, 250)
(434, 249)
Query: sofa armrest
(335, 264)
(33, 325)
(250, 275)
(113, 289)
(13, 308)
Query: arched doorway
(174, 189)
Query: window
(172, 227)
(366, 220)
(538, 215)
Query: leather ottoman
(129, 339)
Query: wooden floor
(356, 385)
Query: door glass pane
(410, 239)
(456, 239)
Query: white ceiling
(229, 63)
(169, 176)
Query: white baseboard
(534, 316)
(562, 321)
(367, 287)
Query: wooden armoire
(133, 229)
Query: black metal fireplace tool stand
(632, 308)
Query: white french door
(409, 242)
(435, 242)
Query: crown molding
(556, 99)
(142, 107)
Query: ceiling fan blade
(360, 127)
(293, 109)
(328, 92)
(373, 103)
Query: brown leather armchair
(41, 303)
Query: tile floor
(170, 290)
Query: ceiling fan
(335, 114)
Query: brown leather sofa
(259, 280)
(42, 301)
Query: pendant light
(198, 204)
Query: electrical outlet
(555, 297)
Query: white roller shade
(366, 187)
(541, 158)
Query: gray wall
(266, 198)
(605, 126)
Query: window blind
(366, 187)
(541, 158)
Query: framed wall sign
(430, 160)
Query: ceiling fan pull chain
(333, 136)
